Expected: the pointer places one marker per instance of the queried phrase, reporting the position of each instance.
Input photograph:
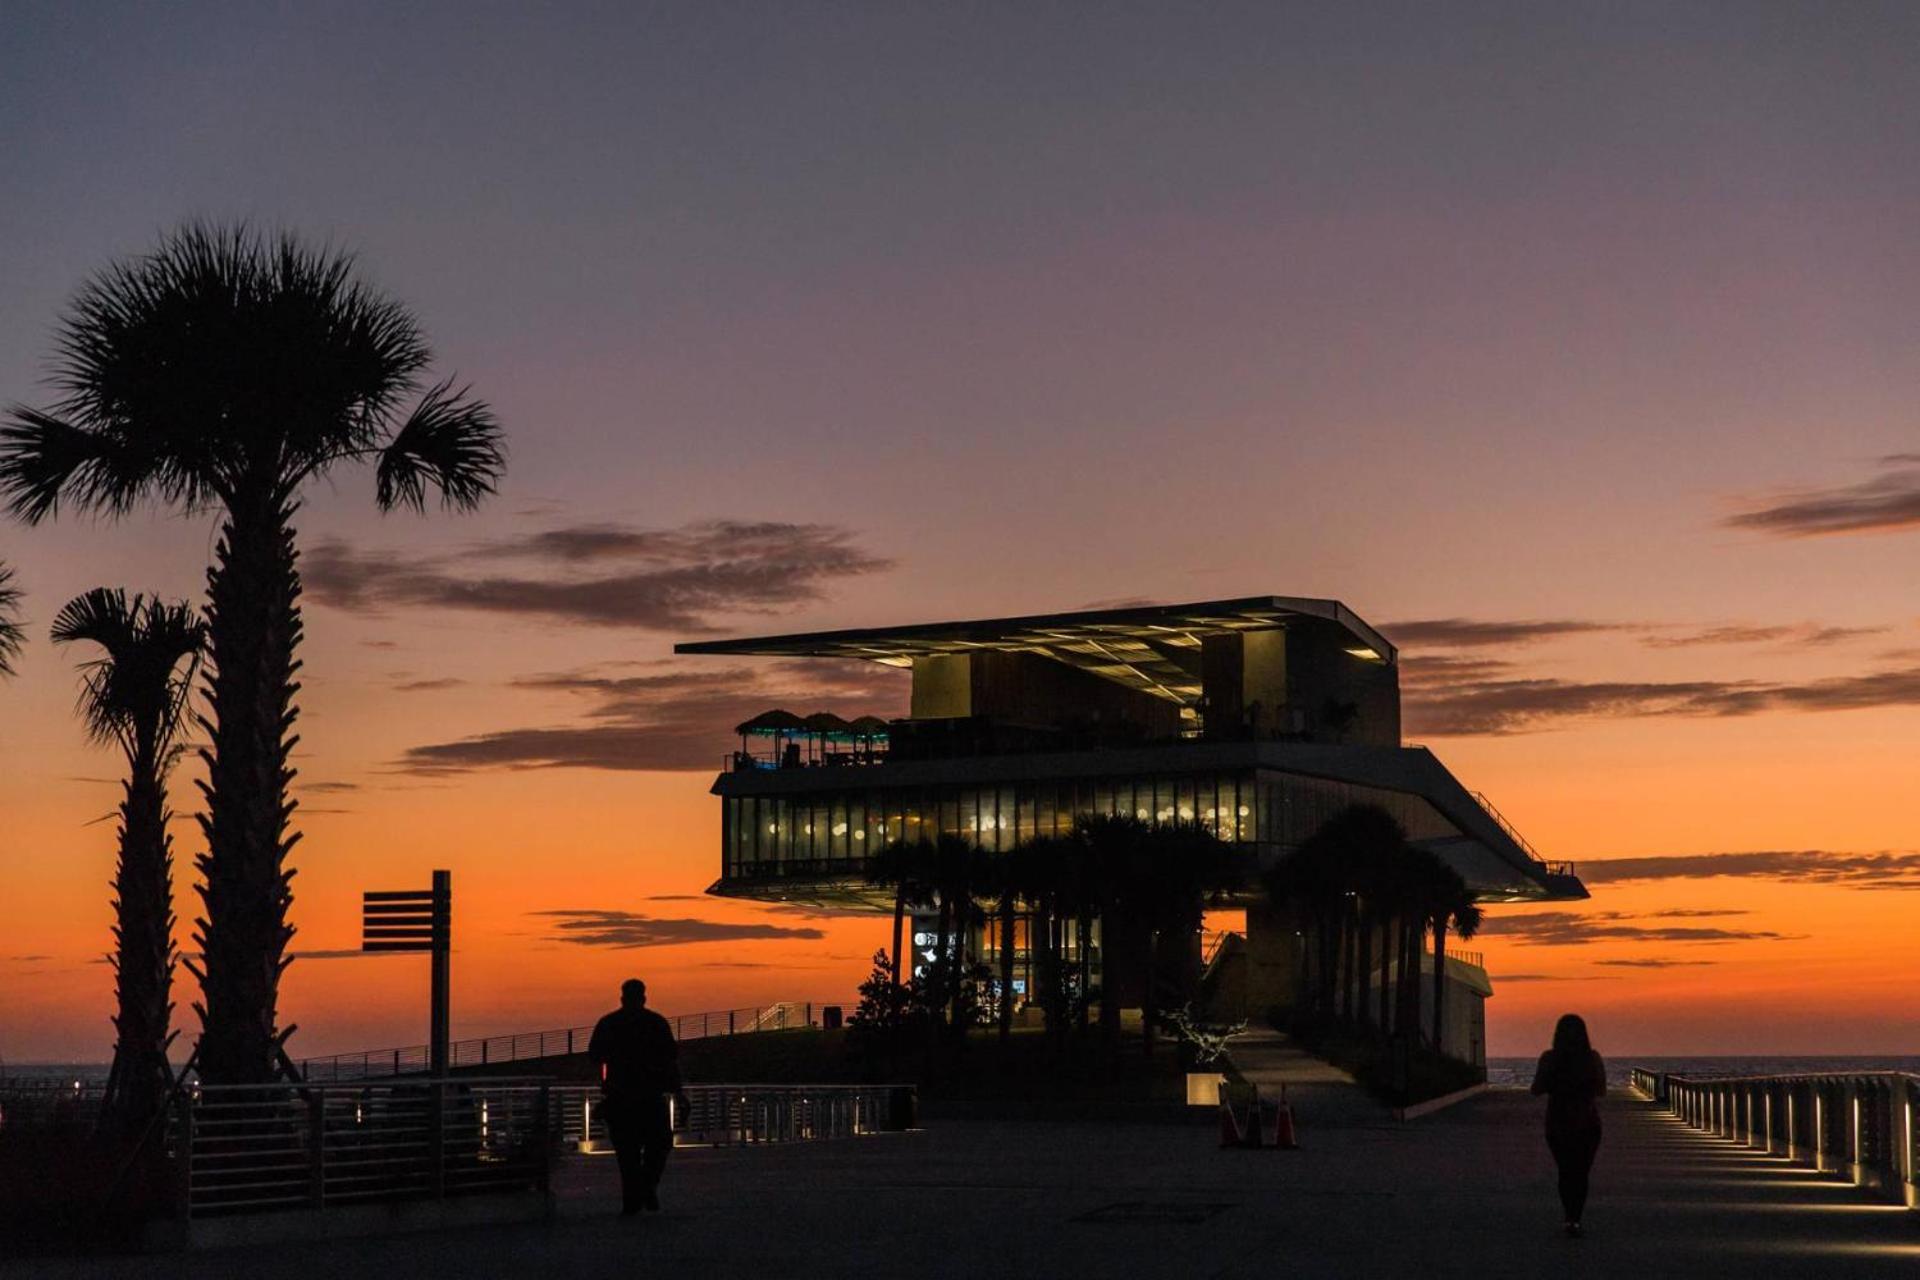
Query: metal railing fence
(1513, 833)
(50, 1104)
(253, 1148)
(1858, 1125)
(749, 1114)
(374, 1064)
(263, 1148)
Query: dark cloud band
(605, 575)
(626, 929)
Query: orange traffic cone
(1233, 1133)
(1283, 1135)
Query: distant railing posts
(750, 1114)
(1855, 1125)
(529, 1046)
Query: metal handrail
(409, 1060)
(1857, 1124)
(749, 1114)
(1513, 833)
(260, 1148)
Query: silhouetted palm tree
(906, 867)
(12, 634)
(134, 697)
(1188, 867)
(1453, 906)
(223, 372)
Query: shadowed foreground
(1467, 1192)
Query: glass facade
(835, 832)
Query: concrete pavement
(1466, 1192)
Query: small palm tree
(225, 371)
(1452, 907)
(134, 697)
(906, 867)
(12, 634)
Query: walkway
(1467, 1192)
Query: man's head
(633, 994)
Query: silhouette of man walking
(639, 1067)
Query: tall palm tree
(12, 634)
(134, 697)
(225, 371)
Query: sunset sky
(1579, 354)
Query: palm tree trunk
(1006, 966)
(1083, 940)
(1365, 975)
(1149, 1000)
(144, 957)
(1439, 983)
(899, 926)
(943, 964)
(253, 628)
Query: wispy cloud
(429, 686)
(1886, 870)
(1652, 962)
(675, 580)
(1493, 702)
(674, 719)
(1806, 635)
(622, 930)
(1885, 503)
(1455, 633)
(1571, 929)
(1499, 978)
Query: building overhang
(1152, 648)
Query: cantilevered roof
(1155, 648)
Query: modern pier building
(1259, 717)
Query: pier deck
(1467, 1192)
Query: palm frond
(12, 634)
(450, 442)
(135, 693)
(45, 460)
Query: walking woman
(1574, 1078)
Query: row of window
(795, 834)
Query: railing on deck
(259, 1149)
(1513, 833)
(788, 1015)
(256, 1148)
(50, 1104)
(1856, 1124)
(747, 1114)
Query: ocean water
(1519, 1071)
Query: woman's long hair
(1570, 1043)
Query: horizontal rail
(414, 1060)
(1857, 1125)
(248, 1149)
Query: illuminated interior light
(1244, 811)
(1367, 654)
